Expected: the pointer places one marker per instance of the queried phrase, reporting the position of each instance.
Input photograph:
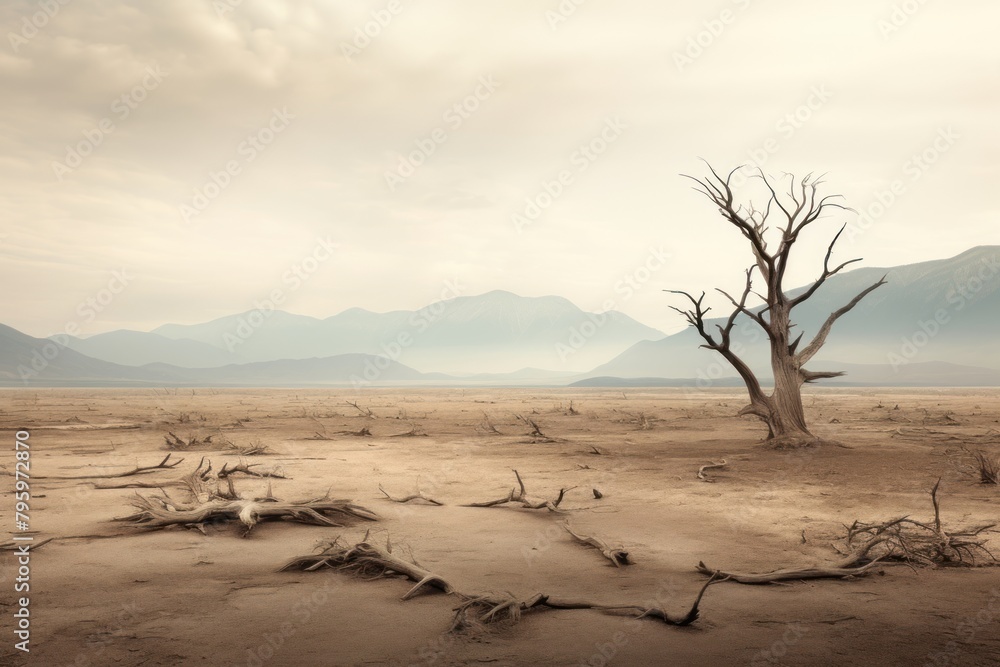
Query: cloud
(228, 65)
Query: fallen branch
(245, 468)
(360, 433)
(536, 434)
(898, 540)
(618, 555)
(710, 466)
(139, 470)
(155, 512)
(416, 496)
(365, 412)
(180, 444)
(414, 432)
(789, 574)
(488, 426)
(371, 560)
(520, 495)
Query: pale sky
(161, 95)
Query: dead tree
(795, 209)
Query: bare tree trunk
(788, 420)
(782, 410)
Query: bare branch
(827, 272)
(810, 350)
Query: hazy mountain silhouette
(496, 332)
(938, 311)
(934, 323)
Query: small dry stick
(710, 466)
(618, 555)
(405, 499)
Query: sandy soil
(179, 597)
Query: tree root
(520, 495)
(618, 556)
(474, 611)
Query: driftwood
(180, 444)
(618, 555)
(789, 574)
(405, 499)
(520, 495)
(710, 466)
(253, 448)
(165, 464)
(246, 469)
(488, 426)
(922, 543)
(366, 412)
(898, 540)
(211, 502)
(155, 512)
(371, 560)
(414, 432)
(198, 477)
(363, 432)
(536, 434)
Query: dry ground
(180, 597)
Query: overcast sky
(115, 116)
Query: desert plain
(107, 592)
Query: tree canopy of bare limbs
(792, 206)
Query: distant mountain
(358, 370)
(917, 374)
(28, 361)
(138, 348)
(939, 311)
(496, 332)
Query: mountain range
(943, 310)
(933, 323)
(496, 332)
